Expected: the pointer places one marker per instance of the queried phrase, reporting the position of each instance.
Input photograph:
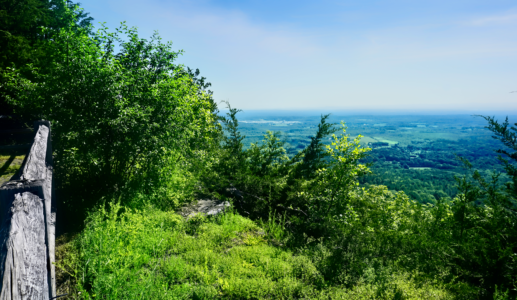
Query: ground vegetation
(136, 136)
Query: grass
(152, 254)
(9, 164)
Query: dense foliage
(26, 29)
(118, 116)
(416, 154)
(136, 130)
(309, 187)
(156, 255)
(426, 170)
(26, 25)
(468, 242)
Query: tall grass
(151, 254)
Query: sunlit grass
(151, 254)
(9, 165)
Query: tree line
(131, 125)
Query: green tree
(116, 116)
(314, 156)
(483, 228)
(327, 197)
(26, 29)
(507, 134)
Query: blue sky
(339, 55)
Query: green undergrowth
(9, 165)
(152, 254)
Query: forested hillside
(137, 136)
(418, 154)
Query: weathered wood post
(27, 220)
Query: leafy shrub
(127, 254)
(468, 243)
(117, 118)
(307, 189)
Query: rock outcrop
(207, 207)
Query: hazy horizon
(359, 55)
(359, 112)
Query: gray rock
(207, 207)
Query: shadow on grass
(6, 165)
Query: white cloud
(502, 19)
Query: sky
(409, 55)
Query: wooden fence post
(27, 220)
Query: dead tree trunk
(27, 218)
